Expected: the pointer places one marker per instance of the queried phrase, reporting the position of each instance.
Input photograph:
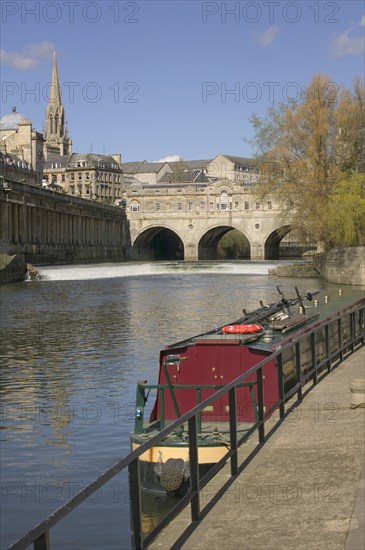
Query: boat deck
(212, 434)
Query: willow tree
(306, 148)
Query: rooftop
(12, 120)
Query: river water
(73, 346)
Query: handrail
(39, 535)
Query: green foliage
(233, 246)
(346, 211)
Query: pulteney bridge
(186, 222)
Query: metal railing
(338, 343)
(170, 388)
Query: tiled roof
(149, 167)
(240, 160)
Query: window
(134, 206)
(81, 163)
(247, 206)
(190, 206)
(223, 205)
(269, 205)
(258, 206)
(157, 206)
(211, 205)
(87, 175)
(72, 176)
(236, 205)
(79, 176)
(202, 205)
(179, 206)
(63, 178)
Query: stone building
(236, 169)
(13, 168)
(19, 138)
(89, 176)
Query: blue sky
(153, 79)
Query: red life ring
(242, 329)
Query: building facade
(89, 176)
(20, 139)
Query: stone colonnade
(48, 226)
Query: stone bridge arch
(208, 242)
(274, 249)
(272, 242)
(158, 243)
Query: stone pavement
(304, 490)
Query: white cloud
(349, 45)
(170, 158)
(27, 58)
(265, 38)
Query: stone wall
(12, 268)
(343, 266)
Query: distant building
(90, 176)
(19, 138)
(236, 169)
(147, 172)
(13, 168)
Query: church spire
(57, 140)
(54, 92)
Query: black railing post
(233, 430)
(194, 469)
(162, 408)
(199, 416)
(362, 324)
(352, 331)
(314, 357)
(298, 366)
(328, 351)
(260, 404)
(340, 338)
(42, 542)
(135, 504)
(281, 386)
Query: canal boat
(194, 369)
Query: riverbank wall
(343, 266)
(339, 266)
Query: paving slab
(304, 490)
